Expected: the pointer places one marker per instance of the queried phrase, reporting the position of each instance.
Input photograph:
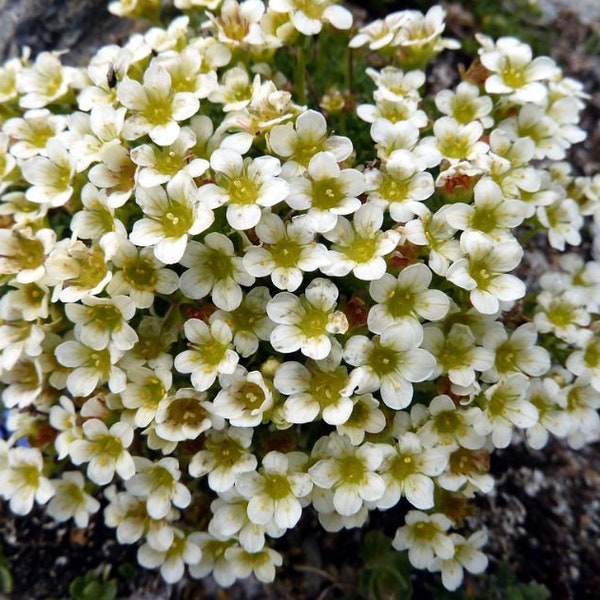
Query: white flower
(45, 81)
(389, 363)
(105, 450)
(407, 470)
(154, 108)
(468, 472)
(405, 299)
(50, 175)
(308, 16)
(288, 250)
(63, 418)
(425, 538)
(213, 560)
(138, 274)
(419, 36)
(78, 270)
(505, 407)
(326, 192)
(483, 271)
(450, 424)
(170, 217)
(300, 142)
(587, 360)
(103, 322)
(467, 555)
(237, 25)
(456, 141)
(249, 321)
(261, 564)
(171, 561)
(144, 391)
(359, 247)
(399, 184)
(226, 454)
(91, 368)
(97, 217)
(189, 68)
(22, 482)
(509, 164)
(317, 388)
(404, 135)
(513, 70)
(23, 252)
(395, 85)
(245, 186)
(465, 104)
(379, 33)
(211, 352)
(457, 354)
(366, 417)
(563, 220)
(517, 353)
(71, 501)
(546, 395)
(31, 132)
(129, 515)
(563, 315)
(116, 173)
(491, 213)
(182, 416)
(157, 165)
(307, 323)
(243, 399)
(158, 483)
(214, 269)
(274, 492)
(235, 91)
(433, 231)
(350, 472)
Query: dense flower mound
(209, 300)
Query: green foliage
(386, 573)
(93, 587)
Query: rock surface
(78, 26)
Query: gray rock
(78, 26)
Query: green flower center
(29, 255)
(513, 77)
(400, 303)
(186, 411)
(243, 190)
(286, 253)
(277, 486)
(251, 395)
(140, 274)
(105, 316)
(393, 190)
(107, 446)
(326, 194)
(352, 469)
(453, 145)
(403, 465)
(314, 322)
(177, 220)
(327, 386)
(361, 250)
(93, 269)
(382, 360)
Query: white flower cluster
(205, 301)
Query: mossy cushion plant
(240, 275)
